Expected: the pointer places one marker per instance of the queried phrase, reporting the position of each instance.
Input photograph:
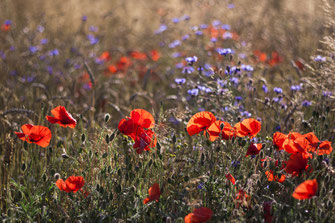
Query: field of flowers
(185, 111)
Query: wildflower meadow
(167, 111)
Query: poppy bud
(112, 137)
(57, 176)
(107, 116)
(107, 138)
(83, 137)
(65, 156)
(221, 126)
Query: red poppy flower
(214, 130)
(230, 178)
(105, 56)
(111, 69)
(312, 139)
(296, 164)
(271, 177)
(275, 59)
(138, 127)
(154, 194)
(261, 56)
(39, 135)
(71, 184)
(199, 215)
(305, 190)
(5, 27)
(138, 55)
(324, 148)
(139, 118)
(155, 55)
(228, 132)
(242, 198)
(123, 64)
(278, 140)
(199, 122)
(62, 117)
(254, 149)
(248, 127)
(145, 140)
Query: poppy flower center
(34, 137)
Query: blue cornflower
(224, 51)
(185, 37)
(306, 103)
(326, 93)
(235, 163)
(247, 67)
(33, 49)
(54, 52)
(319, 58)
(161, 29)
(234, 80)
(188, 70)
(213, 39)
(227, 35)
(231, 6)
(201, 109)
(93, 29)
(175, 20)
(40, 29)
(176, 54)
(193, 92)
(185, 17)
(174, 44)
(203, 26)
(12, 48)
(276, 99)
(296, 87)
(238, 98)
(93, 40)
(222, 83)
(44, 41)
(179, 65)
(198, 33)
(278, 90)
(208, 73)
(216, 23)
(277, 128)
(225, 27)
(191, 60)
(180, 80)
(8, 22)
(50, 70)
(200, 186)
(84, 18)
(265, 88)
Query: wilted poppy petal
(306, 190)
(254, 149)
